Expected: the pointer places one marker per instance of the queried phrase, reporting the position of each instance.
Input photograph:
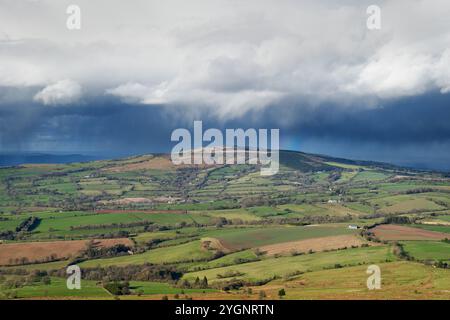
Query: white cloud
(59, 93)
(130, 91)
(228, 55)
(442, 72)
(137, 92)
(391, 75)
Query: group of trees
(229, 274)
(93, 252)
(197, 284)
(442, 264)
(28, 224)
(398, 220)
(7, 235)
(21, 230)
(118, 288)
(25, 260)
(146, 272)
(112, 225)
(33, 278)
(236, 284)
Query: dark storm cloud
(106, 124)
(97, 125)
(422, 119)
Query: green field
(427, 250)
(148, 288)
(147, 236)
(58, 288)
(65, 223)
(229, 259)
(279, 267)
(180, 253)
(370, 176)
(239, 239)
(241, 214)
(90, 289)
(445, 229)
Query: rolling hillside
(156, 229)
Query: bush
(262, 295)
(118, 288)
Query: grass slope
(279, 267)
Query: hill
(166, 225)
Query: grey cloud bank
(232, 56)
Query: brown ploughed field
(397, 232)
(315, 244)
(15, 253)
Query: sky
(137, 70)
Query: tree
(281, 293)
(204, 283)
(11, 294)
(185, 284)
(197, 282)
(46, 280)
(262, 295)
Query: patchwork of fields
(142, 228)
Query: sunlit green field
(180, 253)
(427, 250)
(58, 288)
(246, 238)
(285, 266)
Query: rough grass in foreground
(400, 280)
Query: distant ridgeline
(13, 159)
